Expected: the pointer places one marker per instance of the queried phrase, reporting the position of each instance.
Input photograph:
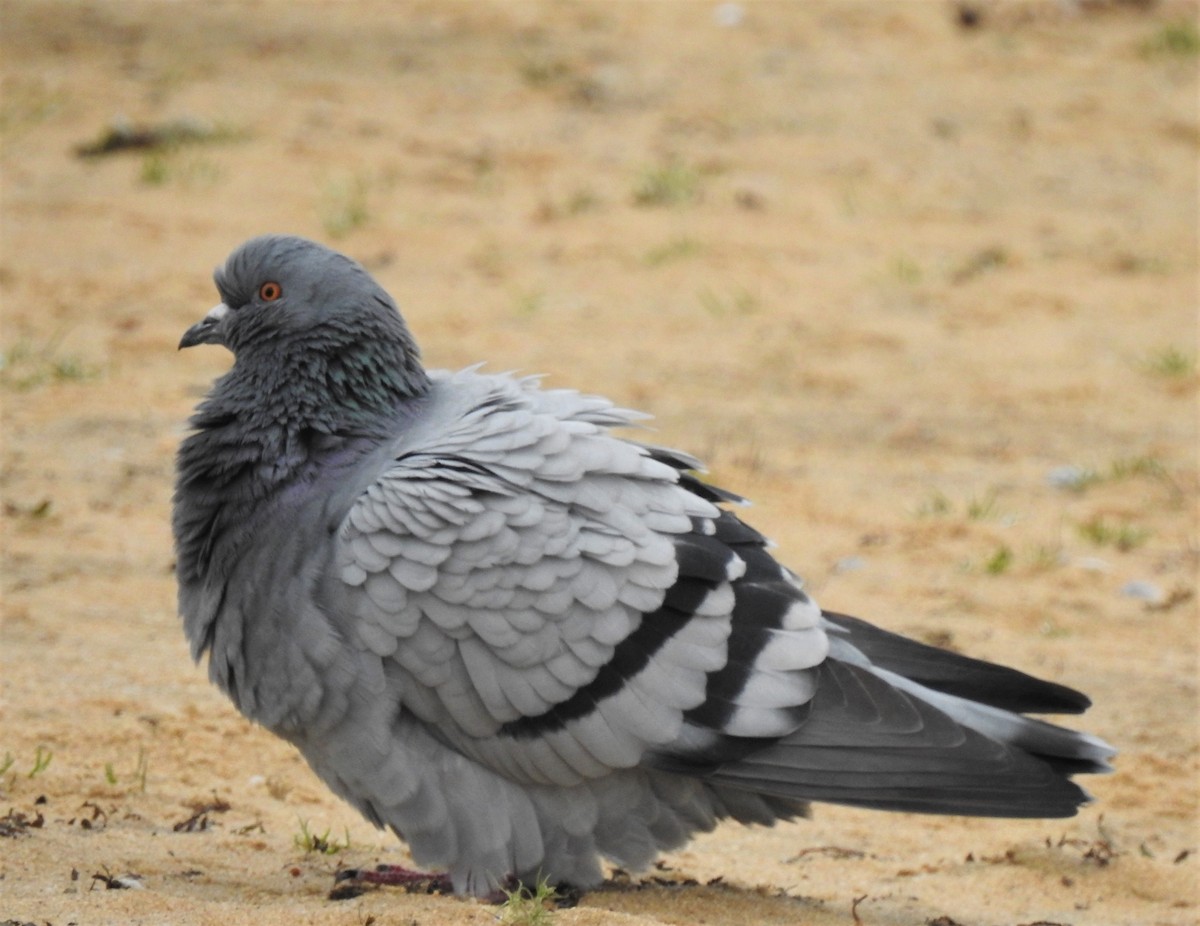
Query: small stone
(1068, 476)
(1142, 591)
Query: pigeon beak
(206, 331)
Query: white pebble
(1142, 590)
(1068, 476)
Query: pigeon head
(309, 327)
(278, 287)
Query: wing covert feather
(498, 562)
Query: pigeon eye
(269, 292)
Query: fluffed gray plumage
(523, 643)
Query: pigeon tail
(947, 738)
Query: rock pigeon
(524, 643)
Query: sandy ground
(927, 293)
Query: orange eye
(269, 292)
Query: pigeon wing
(548, 598)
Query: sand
(925, 292)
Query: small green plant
(676, 249)
(142, 769)
(904, 269)
(1147, 467)
(310, 842)
(1077, 478)
(41, 761)
(343, 206)
(999, 561)
(671, 184)
(529, 303)
(1047, 556)
(1081, 478)
(138, 776)
(981, 508)
(26, 365)
(9, 761)
(978, 263)
(936, 505)
(541, 69)
(579, 201)
(1128, 262)
(1103, 533)
(738, 302)
(1132, 467)
(168, 165)
(155, 169)
(1173, 40)
(976, 508)
(526, 906)
(1171, 362)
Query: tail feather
(1059, 747)
(876, 739)
(942, 670)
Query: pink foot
(396, 875)
(350, 882)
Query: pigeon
(524, 643)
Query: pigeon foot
(396, 875)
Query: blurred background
(918, 277)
